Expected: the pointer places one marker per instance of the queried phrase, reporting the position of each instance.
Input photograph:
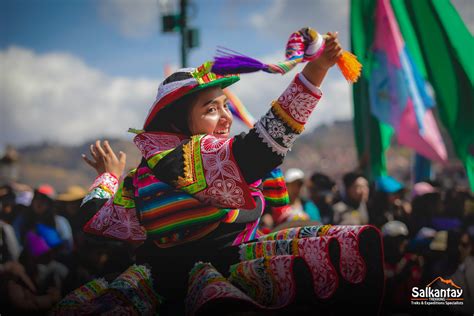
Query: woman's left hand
(105, 160)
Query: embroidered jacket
(185, 187)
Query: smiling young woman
(198, 193)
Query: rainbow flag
(238, 109)
(398, 94)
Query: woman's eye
(211, 110)
(227, 105)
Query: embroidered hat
(185, 81)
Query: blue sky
(76, 70)
(86, 29)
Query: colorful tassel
(303, 45)
(350, 66)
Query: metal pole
(183, 30)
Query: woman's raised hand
(316, 70)
(105, 160)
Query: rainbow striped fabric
(274, 189)
(170, 215)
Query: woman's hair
(174, 117)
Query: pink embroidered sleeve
(286, 119)
(116, 218)
(104, 187)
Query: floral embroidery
(267, 139)
(225, 185)
(315, 252)
(149, 144)
(107, 182)
(218, 163)
(289, 139)
(289, 94)
(226, 192)
(299, 101)
(353, 267)
(117, 222)
(276, 129)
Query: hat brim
(221, 82)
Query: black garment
(254, 158)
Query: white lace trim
(267, 139)
(315, 89)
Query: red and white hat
(186, 81)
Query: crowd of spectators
(428, 232)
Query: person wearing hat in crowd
(403, 270)
(426, 203)
(300, 208)
(197, 190)
(323, 190)
(68, 205)
(352, 210)
(42, 212)
(388, 202)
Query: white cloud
(133, 19)
(286, 16)
(57, 97)
(258, 90)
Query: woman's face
(210, 114)
(359, 190)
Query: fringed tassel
(350, 66)
(231, 62)
(303, 45)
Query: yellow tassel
(350, 66)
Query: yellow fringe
(324, 230)
(350, 66)
(187, 179)
(295, 126)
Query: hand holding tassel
(321, 60)
(303, 45)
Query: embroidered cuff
(275, 133)
(107, 182)
(299, 101)
(280, 126)
(96, 193)
(104, 187)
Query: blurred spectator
(464, 274)
(425, 204)
(7, 204)
(388, 203)
(42, 212)
(38, 259)
(352, 210)
(301, 208)
(68, 205)
(9, 166)
(322, 190)
(403, 270)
